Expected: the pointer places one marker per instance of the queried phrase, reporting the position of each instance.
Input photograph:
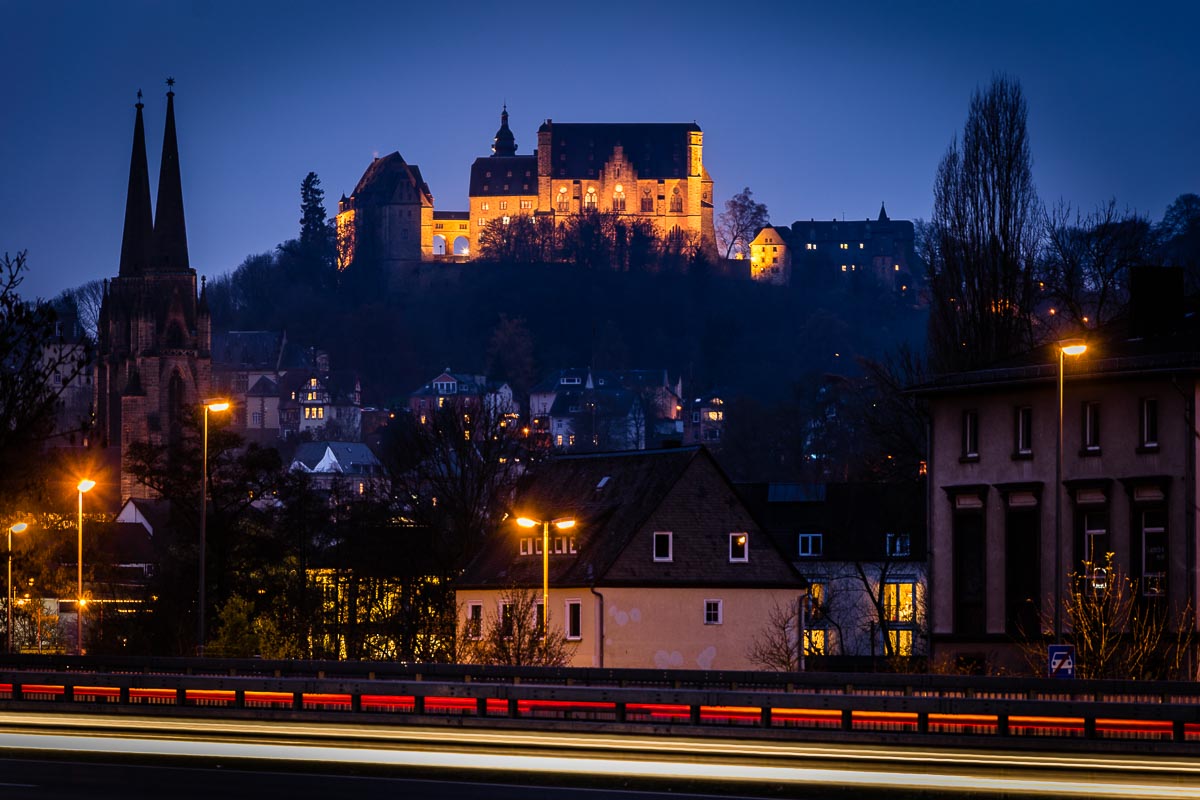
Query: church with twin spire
(154, 360)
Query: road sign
(1061, 661)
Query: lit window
(558, 440)
(320, 412)
(362, 488)
(843, 267)
(896, 267)
(485, 206)
(860, 245)
(571, 440)
(815, 641)
(618, 201)
(739, 547)
(503, 205)
(845, 246)
(312, 381)
(563, 203)
(481, 222)
(713, 612)
(505, 219)
(589, 199)
(898, 601)
(663, 546)
(902, 642)
(811, 544)
(676, 202)
(526, 204)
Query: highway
(101, 755)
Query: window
(563, 203)
(527, 546)
(481, 222)
(320, 412)
(676, 202)
(1091, 427)
(970, 434)
(1154, 553)
(647, 202)
(507, 618)
(618, 201)
(503, 205)
(811, 544)
(474, 620)
(1148, 422)
(898, 601)
(560, 545)
(663, 542)
(898, 545)
(845, 246)
(256, 418)
(526, 205)
(901, 641)
(815, 641)
(695, 416)
(558, 440)
(589, 199)
(739, 547)
(1024, 431)
(1095, 538)
(574, 620)
(712, 612)
(485, 206)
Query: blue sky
(823, 109)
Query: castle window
(845, 246)
(619, 201)
(503, 205)
(485, 206)
(647, 202)
(564, 203)
(505, 187)
(676, 202)
(526, 204)
(508, 174)
(860, 245)
(589, 199)
(481, 222)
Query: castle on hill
(648, 171)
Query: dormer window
(663, 546)
(898, 545)
(739, 547)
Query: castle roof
(391, 180)
(656, 149)
(504, 175)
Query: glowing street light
(19, 527)
(216, 406)
(1066, 347)
(85, 485)
(562, 523)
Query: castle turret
(504, 144)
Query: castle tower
(154, 364)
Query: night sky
(823, 109)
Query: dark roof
(456, 215)
(390, 180)
(603, 402)
(490, 176)
(263, 387)
(612, 497)
(851, 230)
(354, 458)
(656, 149)
(246, 349)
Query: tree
(85, 301)
(512, 635)
(1086, 262)
(510, 354)
(1179, 234)
(984, 233)
(1117, 633)
(740, 222)
(29, 394)
(775, 647)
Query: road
(48, 756)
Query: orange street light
(215, 405)
(85, 485)
(1066, 347)
(19, 527)
(562, 523)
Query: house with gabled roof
(665, 567)
(330, 462)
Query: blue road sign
(1061, 661)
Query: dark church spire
(504, 144)
(170, 234)
(139, 224)
(883, 217)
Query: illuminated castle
(154, 364)
(652, 171)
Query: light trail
(753, 762)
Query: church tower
(154, 364)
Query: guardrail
(866, 707)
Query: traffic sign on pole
(1061, 661)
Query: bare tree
(983, 236)
(740, 222)
(512, 635)
(1116, 632)
(1086, 261)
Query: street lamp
(215, 406)
(85, 485)
(17, 528)
(562, 523)
(1066, 347)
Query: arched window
(647, 202)
(589, 199)
(676, 201)
(563, 204)
(618, 203)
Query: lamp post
(562, 523)
(85, 485)
(1066, 347)
(17, 528)
(217, 406)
